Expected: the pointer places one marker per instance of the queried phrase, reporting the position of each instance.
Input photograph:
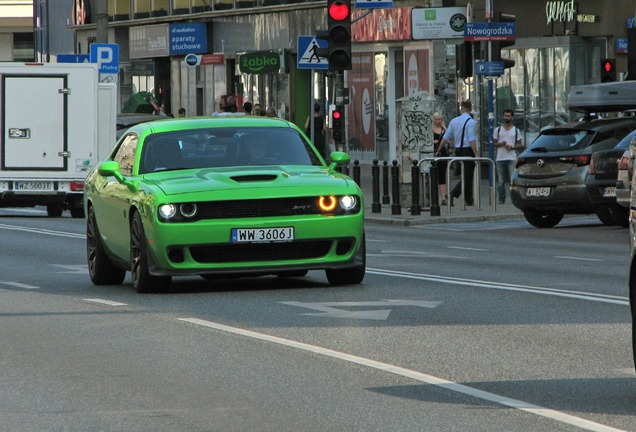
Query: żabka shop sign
(260, 62)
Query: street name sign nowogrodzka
(494, 31)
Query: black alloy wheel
(100, 268)
(143, 281)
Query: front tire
(621, 215)
(350, 275)
(143, 281)
(100, 269)
(539, 219)
(605, 215)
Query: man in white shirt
(506, 140)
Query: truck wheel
(143, 281)
(100, 269)
(539, 219)
(351, 275)
(605, 215)
(54, 210)
(77, 213)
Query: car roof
(599, 125)
(171, 124)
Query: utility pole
(491, 110)
(101, 17)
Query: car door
(112, 201)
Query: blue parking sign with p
(106, 56)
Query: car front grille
(248, 252)
(231, 209)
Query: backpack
(516, 133)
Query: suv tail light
(578, 160)
(623, 162)
(592, 166)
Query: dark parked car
(601, 183)
(551, 174)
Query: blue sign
(308, 57)
(621, 46)
(493, 68)
(188, 38)
(106, 56)
(374, 4)
(493, 31)
(73, 58)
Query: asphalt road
(480, 327)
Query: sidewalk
(456, 215)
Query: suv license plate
(538, 192)
(262, 235)
(609, 192)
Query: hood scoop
(254, 178)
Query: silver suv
(551, 173)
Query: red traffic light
(337, 115)
(608, 66)
(339, 11)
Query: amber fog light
(327, 203)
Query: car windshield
(225, 147)
(561, 140)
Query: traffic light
(337, 124)
(497, 46)
(464, 59)
(608, 70)
(339, 34)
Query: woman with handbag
(439, 128)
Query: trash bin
(138, 103)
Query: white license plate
(262, 235)
(538, 192)
(609, 192)
(47, 186)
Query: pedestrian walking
(461, 131)
(319, 130)
(439, 128)
(506, 140)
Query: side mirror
(111, 169)
(339, 159)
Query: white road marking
(602, 298)
(19, 285)
(408, 373)
(466, 248)
(579, 258)
(72, 269)
(42, 231)
(327, 309)
(106, 302)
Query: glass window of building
(23, 47)
(141, 9)
(180, 7)
(159, 8)
(119, 9)
(201, 5)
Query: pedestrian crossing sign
(307, 53)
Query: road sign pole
(491, 111)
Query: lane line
(602, 298)
(106, 302)
(467, 248)
(408, 373)
(19, 285)
(42, 231)
(579, 258)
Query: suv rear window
(562, 140)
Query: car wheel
(292, 273)
(605, 215)
(350, 275)
(621, 215)
(143, 281)
(539, 219)
(100, 269)
(54, 210)
(77, 212)
(632, 303)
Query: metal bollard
(386, 199)
(375, 186)
(435, 210)
(396, 209)
(356, 172)
(415, 189)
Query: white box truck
(57, 120)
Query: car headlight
(167, 211)
(188, 210)
(348, 202)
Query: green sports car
(221, 197)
